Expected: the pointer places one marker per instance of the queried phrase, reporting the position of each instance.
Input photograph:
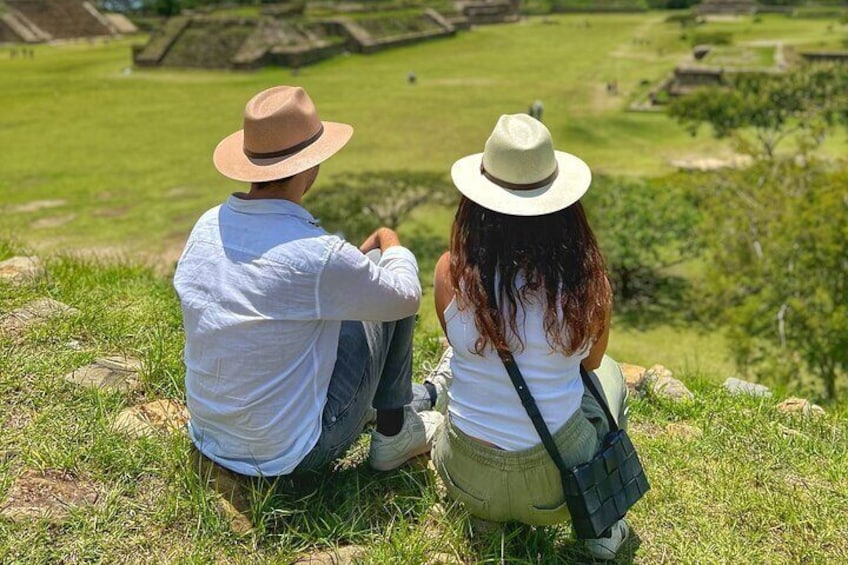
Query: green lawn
(130, 153)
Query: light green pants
(525, 486)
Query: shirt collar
(270, 206)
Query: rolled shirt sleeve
(352, 287)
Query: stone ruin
(726, 7)
(245, 43)
(490, 11)
(38, 21)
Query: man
(292, 334)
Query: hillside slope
(734, 479)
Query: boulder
(738, 387)
(659, 382)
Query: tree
(357, 204)
(776, 240)
(643, 227)
(775, 235)
(759, 111)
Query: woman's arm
(443, 289)
(596, 353)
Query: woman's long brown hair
(560, 263)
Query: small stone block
(634, 375)
(39, 310)
(737, 386)
(793, 405)
(110, 373)
(49, 495)
(19, 269)
(147, 420)
(659, 381)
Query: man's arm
(352, 287)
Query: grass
(126, 153)
(733, 480)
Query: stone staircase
(44, 20)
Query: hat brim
(572, 182)
(230, 160)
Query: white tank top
(484, 404)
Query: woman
(520, 235)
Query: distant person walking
(293, 334)
(536, 109)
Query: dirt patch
(470, 81)
(700, 163)
(50, 494)
(53, 221)
(112, 212)
(35, 206)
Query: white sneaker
(441, 378)
(607, 548)
(415, 438)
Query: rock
(19, 269)
(339, 556)
(37, 311)
(240, 524)
(157, 417)
(737, 386)
(793, 405)
(658, 381)
(110, 373)
(634, 375)
(49, 494)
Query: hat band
(288, 151)
(514, 186)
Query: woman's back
(484, 403)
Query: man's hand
(381, 239)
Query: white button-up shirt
(263, 291)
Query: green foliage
(776, 238)
(643, 227)
(357, 204)
(760, 111)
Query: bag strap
(532, 409)
(529, 404)
(590, 381)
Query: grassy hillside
(733, 480)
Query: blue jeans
(373, 368)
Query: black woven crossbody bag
(601, 491)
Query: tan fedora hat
(282, 137)
(519, 173)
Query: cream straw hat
(519, 173)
